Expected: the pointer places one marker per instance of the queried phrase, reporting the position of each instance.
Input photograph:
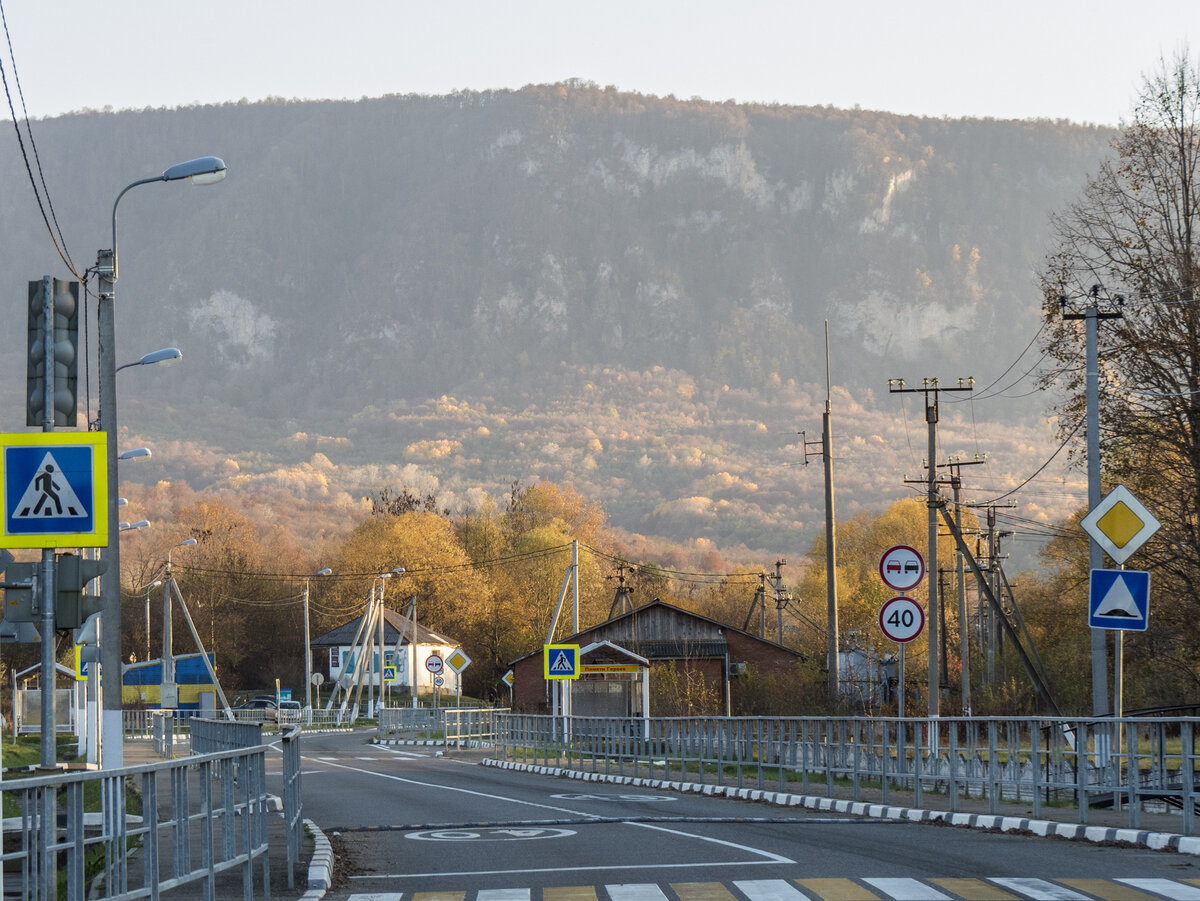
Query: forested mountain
(622, 292)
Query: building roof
(662, 631)
(393, 624)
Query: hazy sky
(1014, 59)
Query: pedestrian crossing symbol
(1119, 599)
(55, 490)
(561, 661)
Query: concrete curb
(320, 868)
(1156, 841)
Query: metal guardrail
(456, 726)
(142, 723)
(1143, 764)
(200, 817)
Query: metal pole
(935, 691)
(167, 691)
(46, 574)
(831, 601)
(307, 653)
(112, 726)
(964, 633)
(412, 652)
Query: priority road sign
(1120, 524)
(560, 661)
(55, 487)
(458, 660)
(1119, 599)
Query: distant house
(334, 654)
(657, 633)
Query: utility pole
(832, 662)
(1092, 316)
(931, 389)
(964, 633)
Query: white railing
(1139, 763)
(455, 726)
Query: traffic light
(61, 317)
(18, 602)
(73, 605)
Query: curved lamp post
(204, 170)
(166, 356)
(308, 641)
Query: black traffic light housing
(59, 314)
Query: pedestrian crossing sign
(561, 661)
(55, 487)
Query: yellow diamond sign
(1120, 524)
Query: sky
(1020, 59)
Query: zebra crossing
(835, 889)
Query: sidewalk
(314, 851)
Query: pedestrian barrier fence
(458, 727)
(142, 723)
(1140, 764)
(183, 821)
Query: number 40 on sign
(902, 619)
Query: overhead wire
(55, 231)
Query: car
(264, 704)
(289, 712)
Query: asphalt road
(405, 822)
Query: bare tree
(1128, 248)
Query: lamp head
(324, 572)
(204, 170)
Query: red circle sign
(902, 568)
(902, 619)
(433, 663)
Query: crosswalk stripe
(1169, 887)
(838, 890)
(907, 890)
(1040, 889)
(702, 891)
(974, 890)
(768, 890)
(569, 893)
(634, 891)
(1107, 890)
(439, 896)
(376, 896)
(503, 894)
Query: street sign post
(902, 568)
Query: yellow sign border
(546, 651)
(98, 537)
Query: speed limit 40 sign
(902, 619)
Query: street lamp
(133, 526)
(308, 642)
(204, 170)
(136, 453)
(166, 356)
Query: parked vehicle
(289, 712)
(265, 704)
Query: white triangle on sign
(49, 495)
(561, 664)
(1119, 602)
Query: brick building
(662, 633)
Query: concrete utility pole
(931, 389)
(964, 633)
(1092, 315)
(832, 659)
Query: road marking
(1108, 891)
(769, 890)
(699, 891)
(1040, 889)
(1168, 887)
(974, 890)
(569, 893)
(439, 896)
(503, 894)
(647, 891)
(838, 890)
(907, 890)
